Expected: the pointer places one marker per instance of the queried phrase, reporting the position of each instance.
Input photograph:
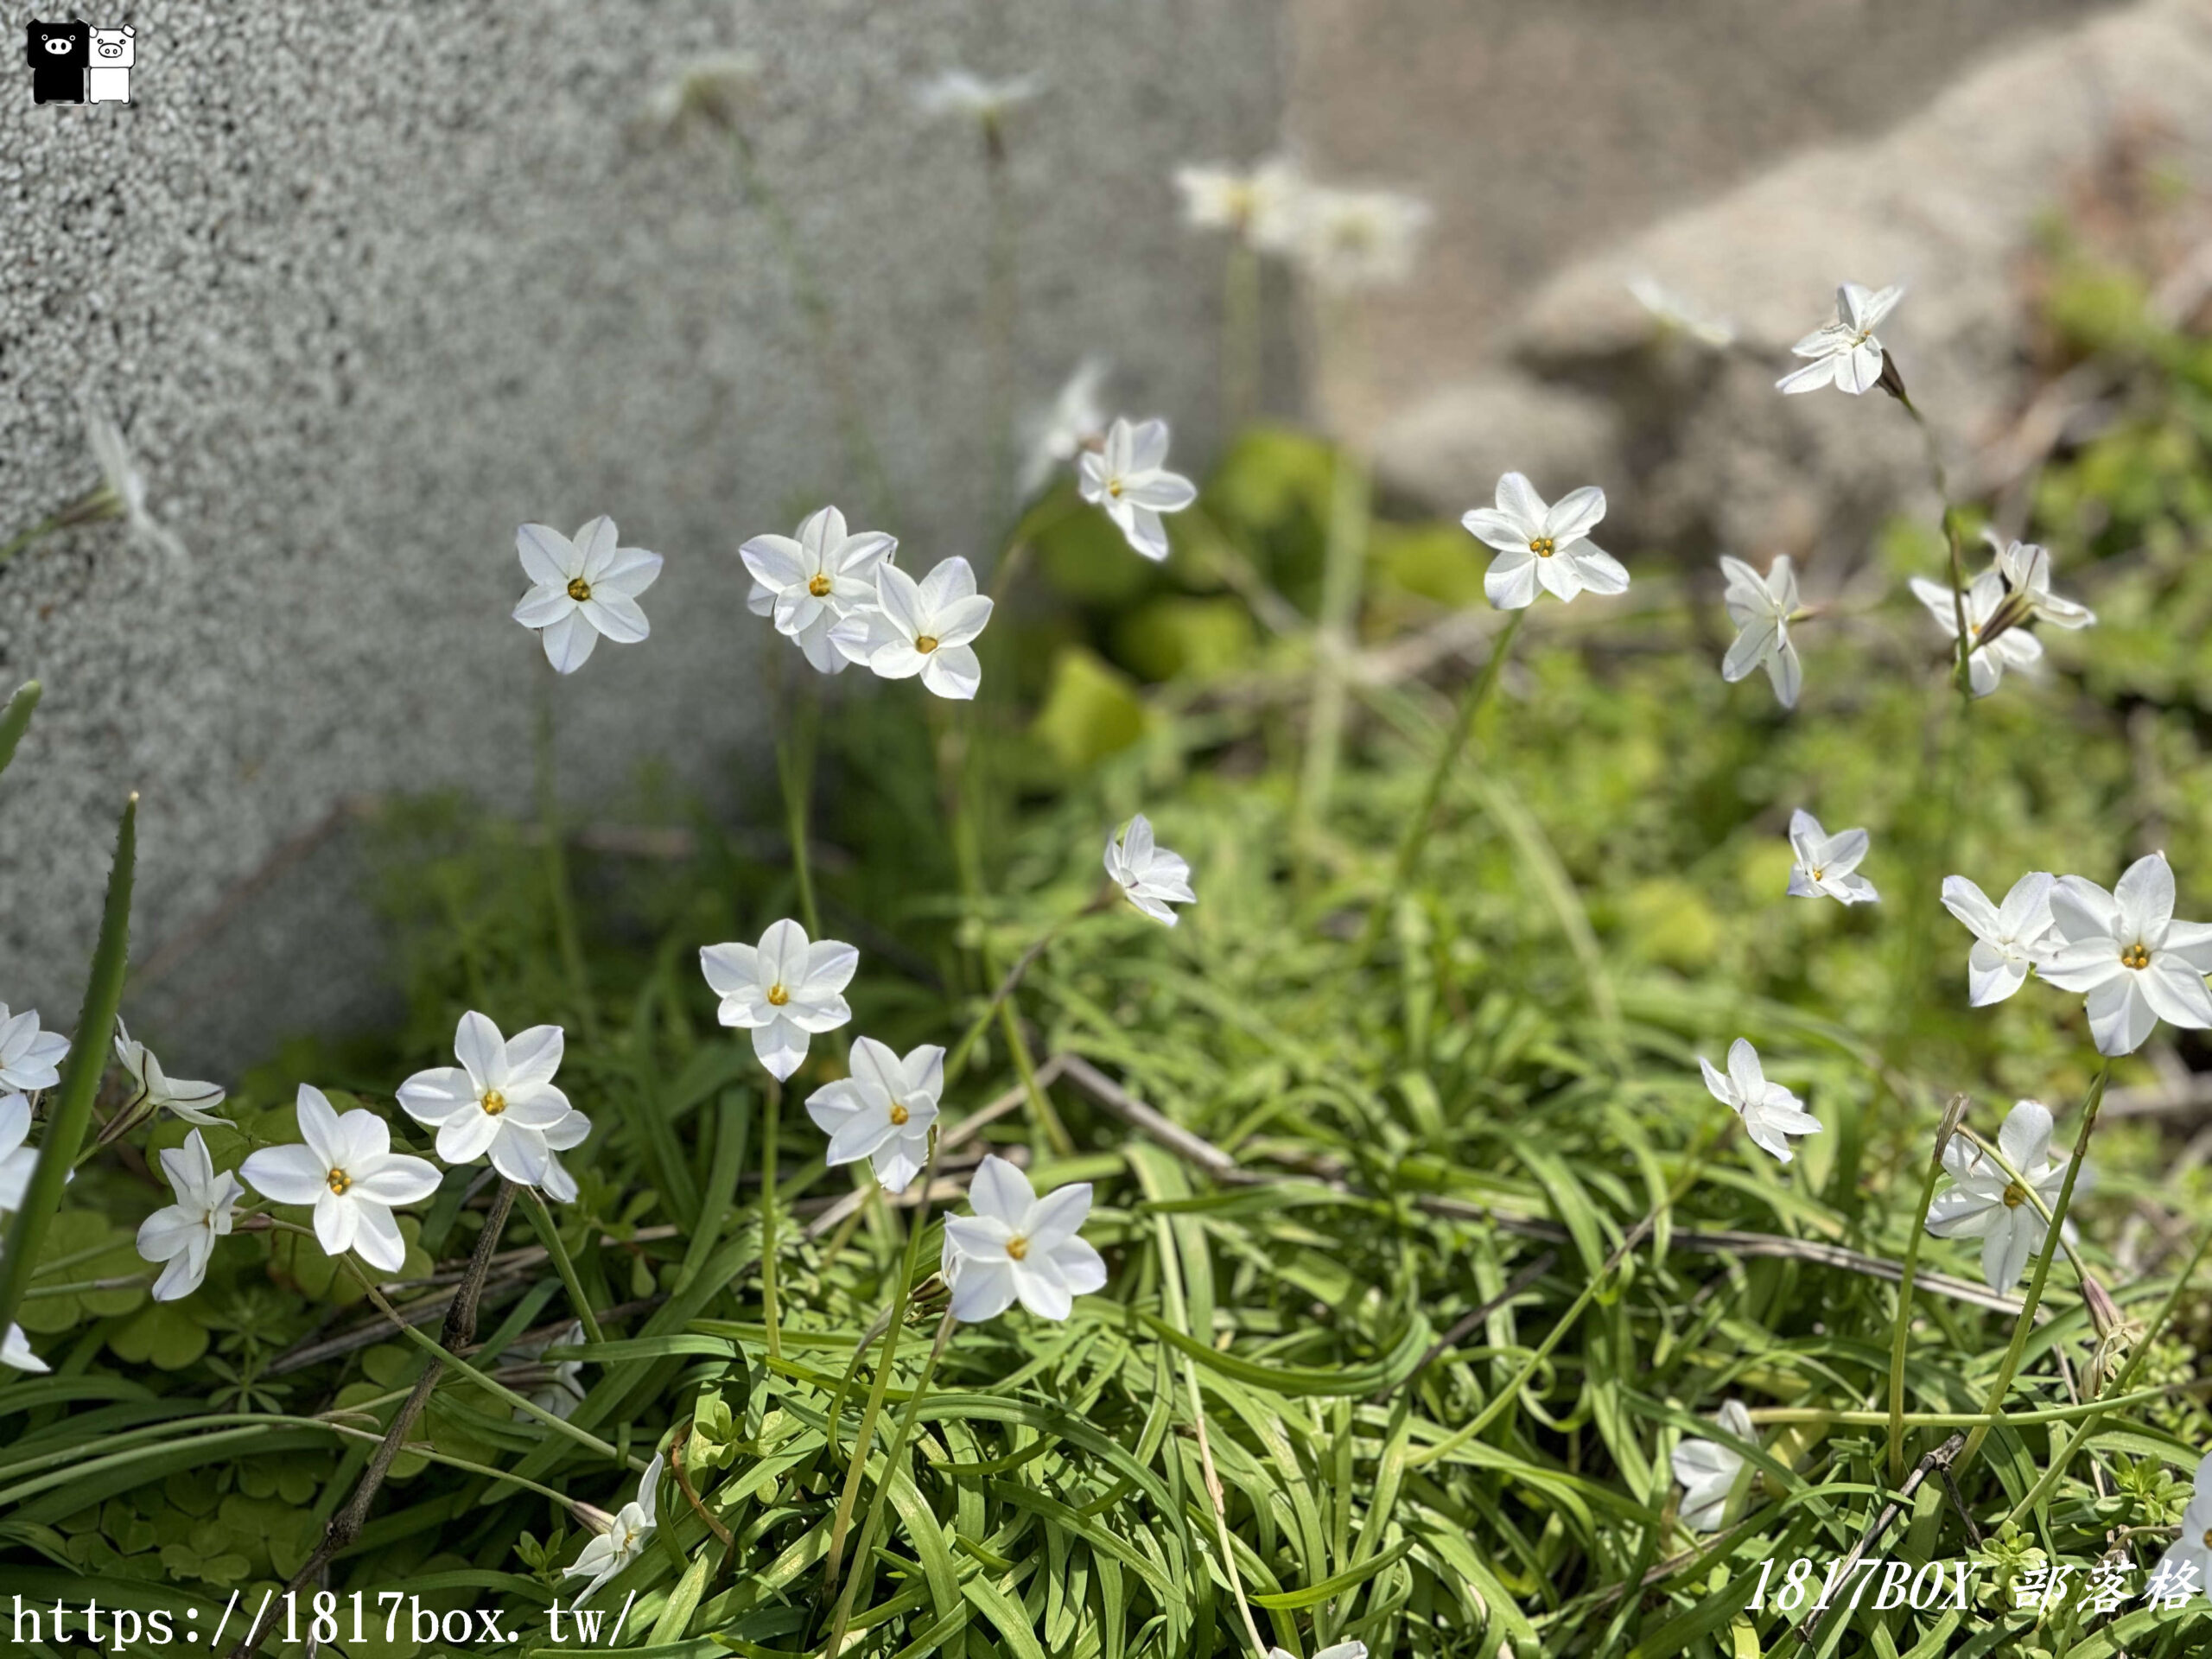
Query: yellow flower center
(2135, 956)
(2015, 1195)
(925, 643)
(579, 589)
(777, 996)
(495, 1102)
(1017, 1247)
(2208, 1537)
(1541, 547)
(1114, 488)
(339, 1181)
(1820, 875)
(819, 586)
(899, 1113)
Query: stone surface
(367, 285)
(1948, 202)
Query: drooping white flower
(925, 628)
(151, 1086)
(1828, 864)
(500, 1100)
(1761, 607)
(711, 91)
(561, 1389)
(1547, 545)
(1075, 421)
(2008, 938)
(183, 1235)
(1154, 878)
(1674, 312)
(2124, 949)
(1771, 1113)
(2187, 1564)
(15, 1352)
(29, 1058)
(1707, 1469)
(1984, 1203)
(2025, 568)
(1018, 1246)
(883, 1111)
(1349, 239)
(18, 1158)
(1844, 352)
(582, 589)
(1262, 208)
(122, 480)
(1129, 477)
(816, 579)
(959, 94)
(348, 1170)
(1994, 648)
(625, 1539)
(785, 990)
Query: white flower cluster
(1342, 239)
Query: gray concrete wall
(367, 284)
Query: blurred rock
(1449, 449)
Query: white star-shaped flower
(1154, 878)
(1707, 1469)
(1771, 1113)
(815, 580)
(883, 1111)
(1075, 421)
(500, 1100)
(1262, 208)
(960, 94)
(1844, 352)
(625, 1539)
(18, 1158)
(122, 480)
(183, 1235)
(1999, 644)
(582, 589)
(15, 1352)
(1018, 1246)
(29, 1058)
(152, 1087)
(1129, 477)
(1349, 239)
(1984, 1203)
(785, 990)
(348, 1170)
(2026, 570)
(2193, 1549)
(925, 628)
(1540, 544)
(2008, 938)
(1826, 863)
(1761, 607)
(2137, 964)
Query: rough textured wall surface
(365, 285)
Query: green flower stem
(795, 772)
(549, 1232)
(1418, 826)
(1344, 564)
(1962, 645)
(1909, 1266)
(37, 533)
(557, 857)
(772, 1123)
(864, 1435)
(958, 1059)
(1983, 1421)
(16, 719)
(80, 1077)
(875, 1503)
(1240, 336)
(432, 1455)
(2011, 1364)
(1002, 298)
(2097, 1408)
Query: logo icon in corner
(75, 63)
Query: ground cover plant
(1571, 1131)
